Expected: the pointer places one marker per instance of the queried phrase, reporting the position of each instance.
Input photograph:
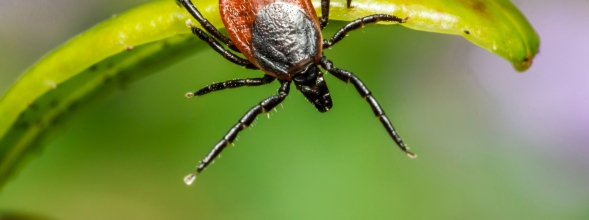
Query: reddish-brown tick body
(286, 20)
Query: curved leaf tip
(502, 29)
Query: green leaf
(153, 36)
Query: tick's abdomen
(284, 40)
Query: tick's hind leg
(206, 24)
(232, 84)
(221, 50)
(349, 77)
(245, 121)
(358, 23)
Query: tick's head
(309, 80)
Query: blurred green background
(492, 143)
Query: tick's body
(282, 38)
(289, 27)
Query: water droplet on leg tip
(411, 155)
(190, 179)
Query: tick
(283, 39)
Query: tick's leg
(349, 77)
(358, 23)
(221, 50)
(349, 3)
(324, 14)
(232, 84)
(206, 24)
(245, 121)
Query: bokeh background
(492, 143)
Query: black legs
(216, 35)
(232, 84)
(358, 23)
(221, 50)
(245, 121)
(206, 24)
(349, 77)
